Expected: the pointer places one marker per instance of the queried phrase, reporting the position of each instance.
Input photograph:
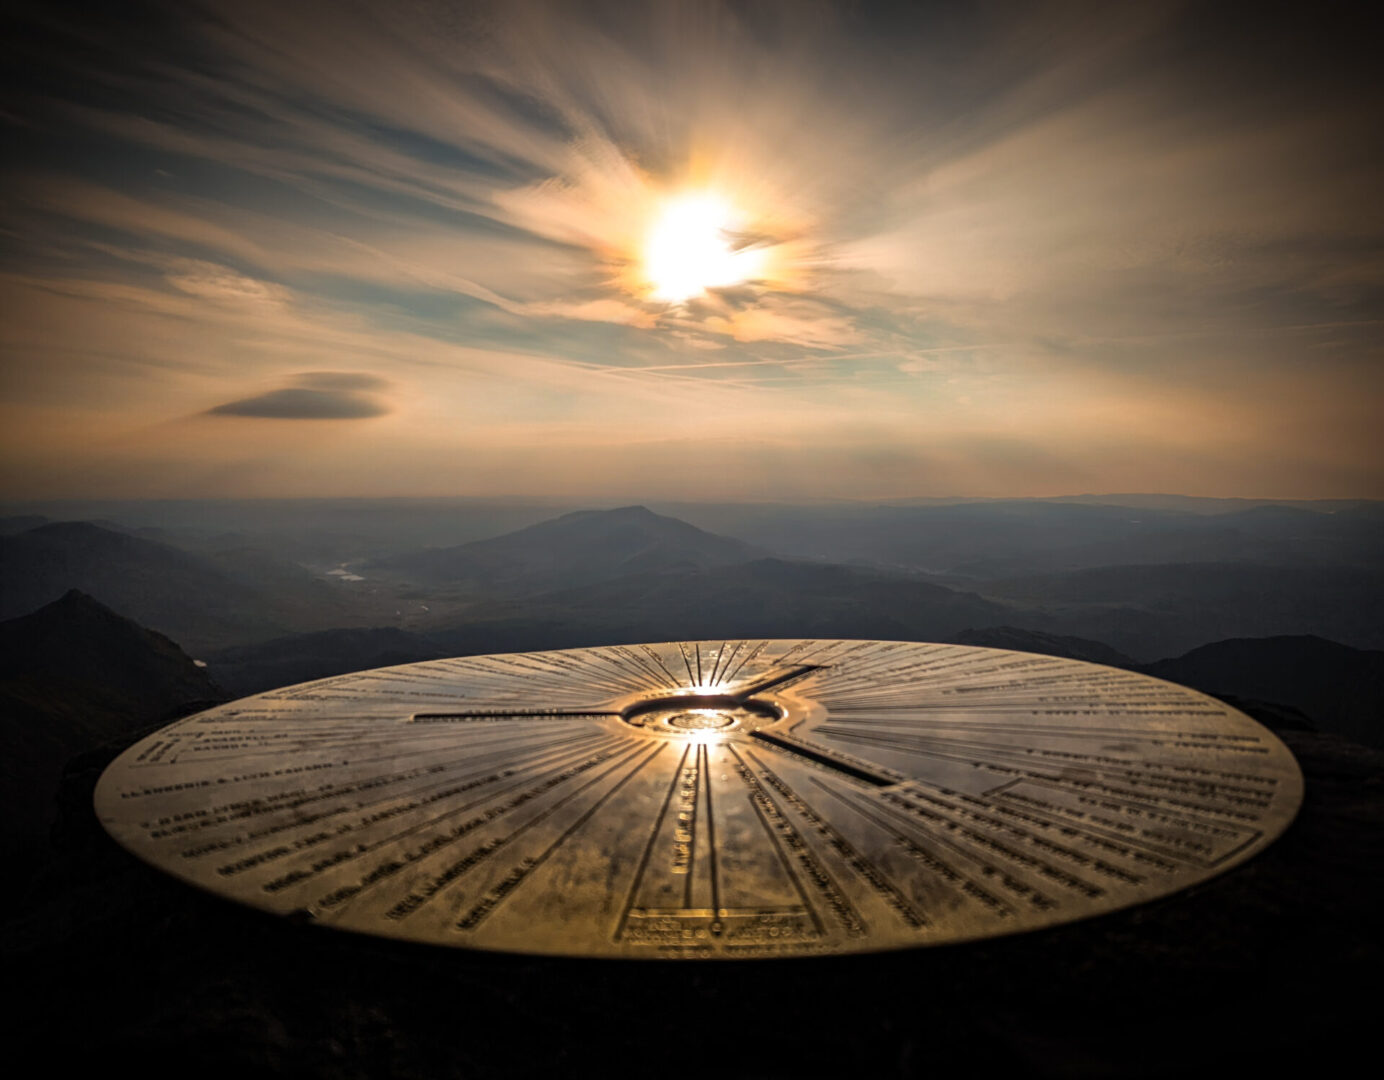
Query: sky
(733, 251)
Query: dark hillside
(765, 598)
(1340, 688)
(249, 669)
(74, 675)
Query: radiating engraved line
(777, 679)
(449, 874)
(387, 734)
(723, 658)
(356, 784)
(1127, 845)
(692, 832)
(368, 825)
(539, 779)
(840, 904)
(1171, 792)
(653, 679)
(673, 681)
(618, 671)
(526, 714)
(948, 873)
(754, 788)
(478, 913)
(637, 673)
(1132, 770)
(598, 670)
(872, 875)
(822, 757)
(530, 670)
(687, 663)
(747, 658)
(963, 711)
(862, 663)
(1173, 739)
(976, 842)
(852, 662)
(443, 878)
(710, 830)
(946, 675)
(963, 817)
(1003, 682)
(1174, 819)
(507, 766)
(506, 737)
(649, 847)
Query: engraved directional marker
(706, 799)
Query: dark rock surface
(1268, 967)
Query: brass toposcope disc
(706, 799)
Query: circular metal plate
(706, 799)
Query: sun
(689, 248)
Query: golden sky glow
(765, 251)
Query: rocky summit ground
(1272, 965)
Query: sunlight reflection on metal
(803, 798)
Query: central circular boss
(689, 714)
(700, 720)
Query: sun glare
(689, 249)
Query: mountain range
(261, 616)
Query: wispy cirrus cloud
(1055, 225)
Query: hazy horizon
(614, 501)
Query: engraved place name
(809, 867)
(683, 834)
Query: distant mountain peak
(68, 631)
(637, 513)
(71, 528)
(74, 615)
(77, 598)
(576, 549)
(78, 605)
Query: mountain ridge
(579, 548)
(75, 674)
